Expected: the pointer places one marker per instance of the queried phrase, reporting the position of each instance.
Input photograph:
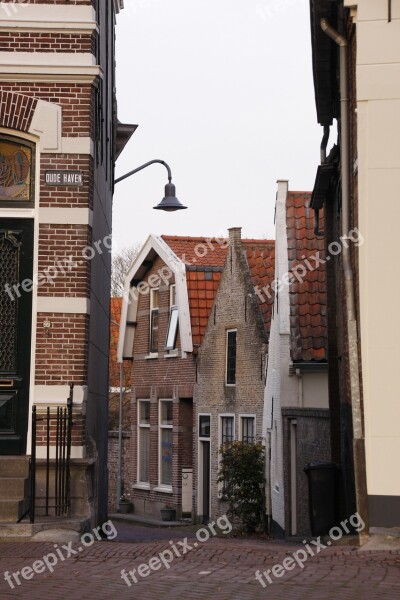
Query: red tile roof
(308, 320)
(205, 259)
(260, 256)
(199, 251)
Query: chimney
(235, 236)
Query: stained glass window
(16, 166)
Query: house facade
(59, 139)
(168, 298)
(296, 423)
(231, 362)
(358, 189)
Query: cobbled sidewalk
(221, 569)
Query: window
(16, 173)
(143, 441)
(227, 429)
(204, 426)
(173, 320)
(154, 301)
(231, 357)
(165, 442)
(226, 436)
(247, 429)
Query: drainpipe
(324, 143)
(358, 433)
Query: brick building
(59, 139)
(296, 411)
(231, 361)
(168, 298)
(356, 59)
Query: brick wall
(168, 376)
(211, 394)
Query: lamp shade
(170, 202)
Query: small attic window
(173, 320)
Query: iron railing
(57, 431)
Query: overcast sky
(222, 91)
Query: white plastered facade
(378, 116)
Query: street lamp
(170, 202)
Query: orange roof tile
(205, 259)
(198, 251)
(261, 260)
(308, 320)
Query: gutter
(357, 413)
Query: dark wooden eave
(324, 61)
(123, 135)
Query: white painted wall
(378, 110)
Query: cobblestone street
(222, 569)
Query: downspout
(324, 143)
(358, 433)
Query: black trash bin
(322, 496)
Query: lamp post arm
(151, 162)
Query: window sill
(151, 355)
(163, 489)
(141, 486)
(171, 354)
(230, 385)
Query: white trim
(51, 60)
(163, 489)
(178, 268)
(47, 124)
(73, 145)
(47, 16)
(17, 213)
(76, 452)
(50, 75)
(220, 417)
(66, 216)
(141, 484)
(54, 395)
(48, 66)
(52, 304)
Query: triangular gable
(153, 246)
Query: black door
(16, 268)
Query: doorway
(16, 269)
(204, 508)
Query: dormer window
(154, 312)
(173, 320)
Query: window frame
(20, 141)
(173, 308)
(140, 427)
(164, 486)
(228, 331)
(153, 310)
(220, 427)
(247, 416)
(222, 416)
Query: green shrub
(242, 476)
